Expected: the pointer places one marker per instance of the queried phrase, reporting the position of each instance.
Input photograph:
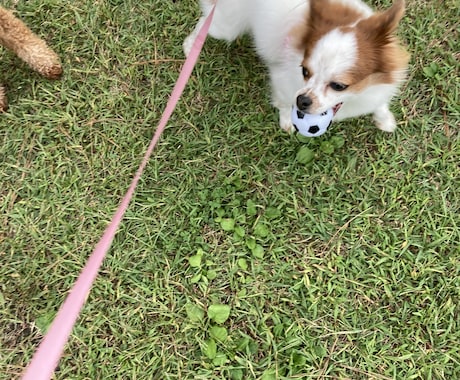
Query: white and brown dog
(321, 54)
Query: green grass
(347, 267)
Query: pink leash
(51, 348)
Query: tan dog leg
(3, 101)
(16, 36)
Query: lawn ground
(237, 259)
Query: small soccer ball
(311, 125)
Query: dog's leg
(384, 119)
(284, 86)
(206, 7)
(285, 118)
(231, 19)
(190, 39)
(3, 100)
(16, 36)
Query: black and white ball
(311, 125)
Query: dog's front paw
(285, 120)
(384, 119)
(188, 44)
(54, 71)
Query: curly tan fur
(3, 102)
(16, 36)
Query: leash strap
(50, 350)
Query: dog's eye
(337, 86)
(305, 72)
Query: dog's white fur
(273, 25)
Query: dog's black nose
(303, 102)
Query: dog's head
(347, 49)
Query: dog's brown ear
(317, 10)
(317, 5)
(380, 26)
(326, 14)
